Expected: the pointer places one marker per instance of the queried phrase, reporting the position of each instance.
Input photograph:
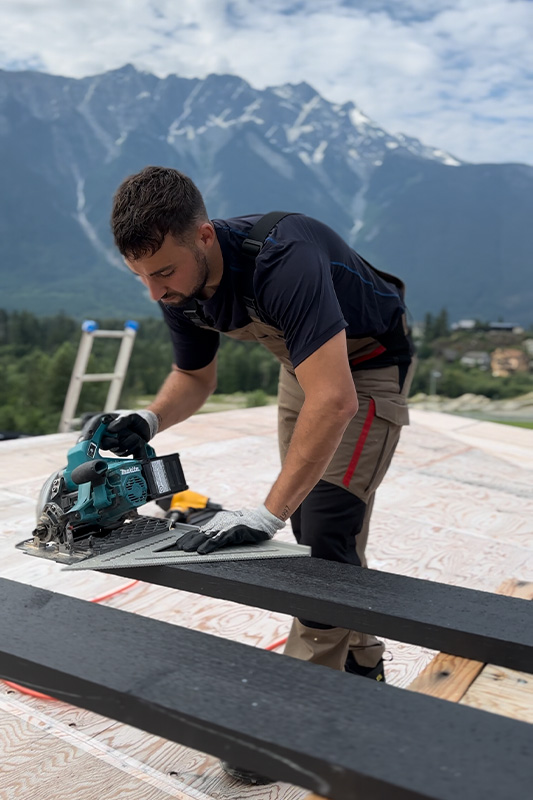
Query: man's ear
(206, 235)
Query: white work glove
(129, 431)
(248, 526)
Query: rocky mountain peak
(412, 208)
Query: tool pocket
(392, 410)
(390, 415)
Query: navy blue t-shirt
(308, 283)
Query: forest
(37, 355)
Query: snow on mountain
(414, 209)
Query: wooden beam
(502, 691)
(449, 677)
(464, 622)
(516, 588)
(338, 735)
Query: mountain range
(459, 234)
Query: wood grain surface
(502, 691)
(447, 677)
(456, 507)
(39, 763)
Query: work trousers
(334, 518)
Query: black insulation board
(336, 734)
(465, 622)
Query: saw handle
(93, 472)
(144, 450)
(96, 427)
(91, 426)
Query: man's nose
(156, 289)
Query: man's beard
(177, 298)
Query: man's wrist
(152, 419)
(282, 512)
(272, 519)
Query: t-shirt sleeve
(294, 287)
(194, 347)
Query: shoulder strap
(250, 249)
(193, 312)
(256, 238)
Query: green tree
(60, 370)
(435, 327)
(441, 325)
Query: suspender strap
(193, 312)
(256, 238)
(250, 249)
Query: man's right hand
(129, 431)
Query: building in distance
(506, 360)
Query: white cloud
(455, 73)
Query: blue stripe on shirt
(364, 280)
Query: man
(338, 328)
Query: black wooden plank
(465, 622)
(339, 735)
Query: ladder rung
(110, 334)
(94, 377)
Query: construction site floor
(456, 507)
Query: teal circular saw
(94, 495)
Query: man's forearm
(316, 437)
(181, 395)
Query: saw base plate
(148, 541)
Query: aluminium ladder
(79, 376)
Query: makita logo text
(130, 469)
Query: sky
(457, 74)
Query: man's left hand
(232, 528)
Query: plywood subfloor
(456, 507)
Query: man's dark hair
(149, 205)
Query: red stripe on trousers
(360, 443)
(377, 352)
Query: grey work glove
(128, 432)
(249, 526)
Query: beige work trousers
(358, 465)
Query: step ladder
(90, 332)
